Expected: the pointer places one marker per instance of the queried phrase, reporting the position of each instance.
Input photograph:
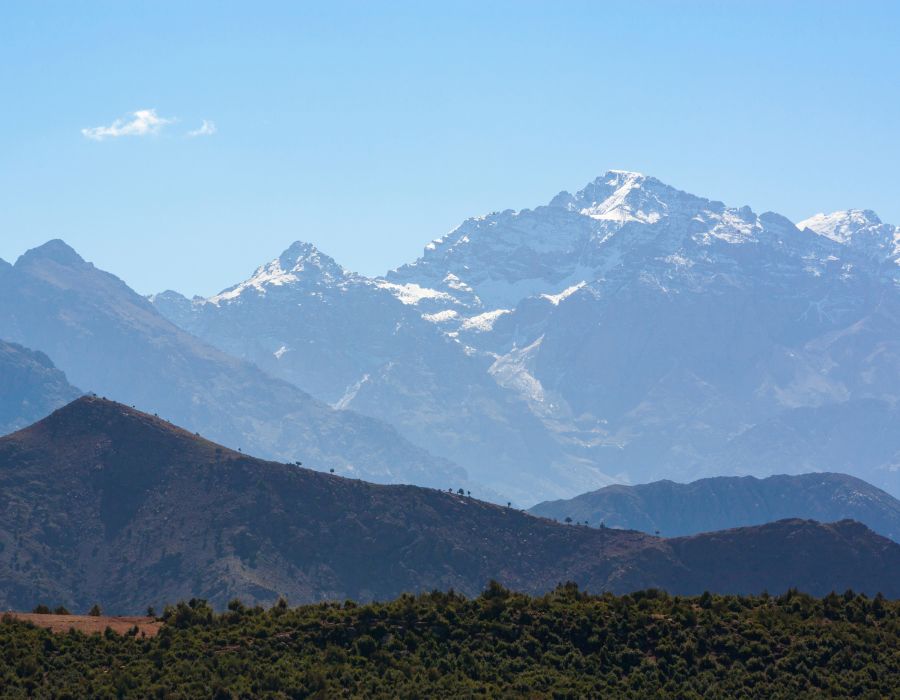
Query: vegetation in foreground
(566, 644)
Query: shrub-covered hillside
(563, 645)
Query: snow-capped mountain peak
(860, 229)
(622, 215)
(628, 330)
(300, 263)
(620, 196)
(624, 196)
(304, 260)
(840, 225)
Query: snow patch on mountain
(840, 226)
(620, 207)
(344, 402)
(512, 371)
(734, 227)
(411, 293)
(271, 274)
(483, 323)
(564, 294)
(441, 316)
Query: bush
(567, 643)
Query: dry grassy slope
(102, 503)
(91, 624)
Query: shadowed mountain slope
(30, 387)
(99, 502)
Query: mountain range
(111, 341)
(354, 343)
(727, 502)
(629, 332)
(101, 503)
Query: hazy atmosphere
(371, 128)
(449, 350)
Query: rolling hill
(727, 502)
(102, 503)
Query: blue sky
(371, 128)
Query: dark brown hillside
(102, 503)
(832, 556)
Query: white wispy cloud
(207, 128)
(144, 122)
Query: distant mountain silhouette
(30, 387)
(102, 503)
(727, 502)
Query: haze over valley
(470, 350)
